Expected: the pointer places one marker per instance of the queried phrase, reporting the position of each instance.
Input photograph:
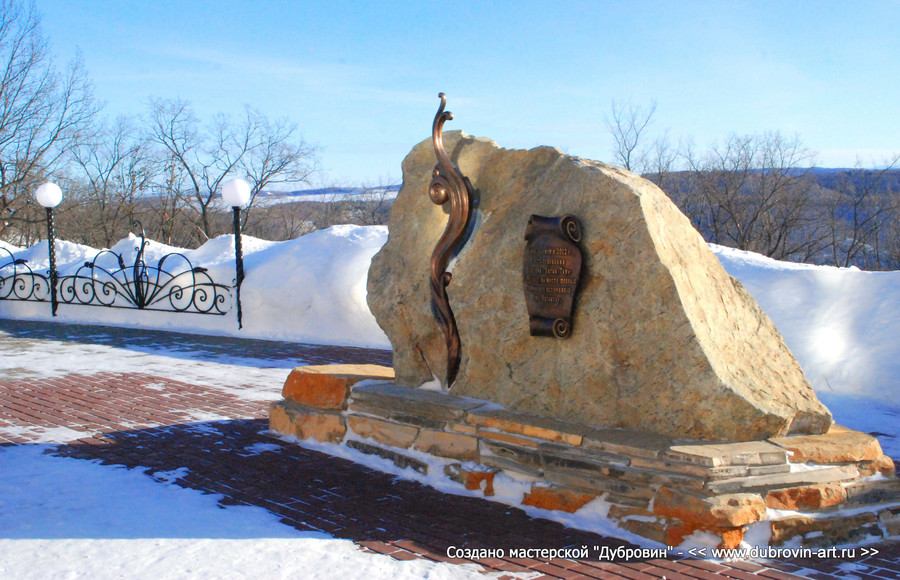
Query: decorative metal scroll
(173, 284)
(19, 282)
(551, 270)
(447, 185)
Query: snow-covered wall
(310, 289)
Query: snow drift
(310, 289)
(839, 322)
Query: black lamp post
(49, 195)
(236, 193)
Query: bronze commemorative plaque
(551, 270)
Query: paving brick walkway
(141, 420)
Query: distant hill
(331, 193)
(833, 178)
(888, 180)
(835, 216)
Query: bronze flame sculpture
(447, 184)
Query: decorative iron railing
(173, 284)
(19, 282)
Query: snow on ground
(257, 380)
(68, 518)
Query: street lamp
(236, 193)
(49, 195)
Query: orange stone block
(676, 533)
(328, 386)
(326, 427)
(473, 479)
(539, 427)
(554, 498)
(384, 432)
(885, 465)
(723, 511)
(890, 521)
(452, 445)
(807, 497)
(650, 529)
(323, 427)
(839, 445)
(619, 512)
(279, 420)
(731, 537)
(836, 530)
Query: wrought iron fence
(173, 284)
(19, 282)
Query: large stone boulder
(663, 339)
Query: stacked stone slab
(660, 488)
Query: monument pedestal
(821, 490)
(555, 295)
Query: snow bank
(841, 323)
(313, 289)
(310, 289)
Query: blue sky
(361, 78)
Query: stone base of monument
(815, 490)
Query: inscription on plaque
(551, 270)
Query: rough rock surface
(663, 338)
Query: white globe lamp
(48, 195)
(236, 193)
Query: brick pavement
(151, 422)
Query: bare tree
(170, 205)
(370, 207)
(891, 245)
(661, 162)
(858, 213)
(277, 156)
(199, 159)
(252, 147)
(282, 221)
(754, 193)
(42, 111)
(330, 211)
(116, 170)
(627, 125)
